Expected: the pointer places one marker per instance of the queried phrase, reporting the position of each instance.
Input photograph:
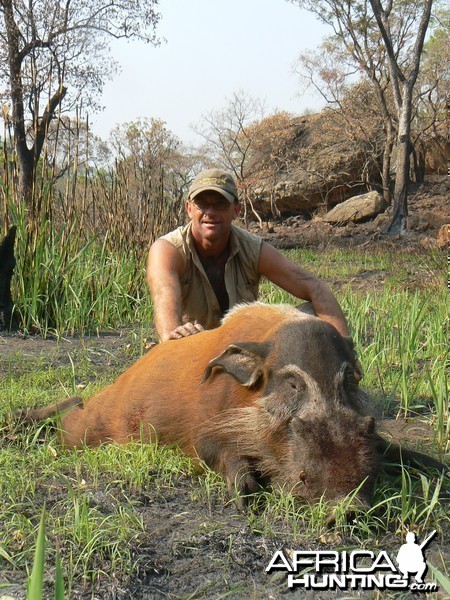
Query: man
(200, 270)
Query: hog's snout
(332, 456)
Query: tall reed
(82, 245)
(76, 285)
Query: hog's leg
(239, 475)
(241, 479)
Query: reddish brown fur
(269, 396)
(163, 388)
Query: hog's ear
(243, 361)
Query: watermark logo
(358, 569)
(411, 558)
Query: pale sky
(213, 48)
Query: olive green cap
(216, 180)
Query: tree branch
(396, 74)
(48, 115)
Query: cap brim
(225, 194)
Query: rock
(294, 221)
(320, 166)
(357, 209)
(413, 221)
(428, 243)
(443, 236)
(371, 227)
(381, 219)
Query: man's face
(211, 215)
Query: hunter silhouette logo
(357, 569)
(411, 558)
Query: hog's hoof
(246, 491)
(347, 512)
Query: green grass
(94, 497)
(77, 486)
(65, 284)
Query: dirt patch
(112, 349)
(209, 551)
(197, 548)
(194, 547)
(206, 551)
(112, 342)
(428, 209)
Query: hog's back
(162, 396)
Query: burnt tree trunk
(386, 168)
(403, 77)
(7, 264)
(399, 221)
(24, 155)
(418, 154)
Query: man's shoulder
(177, 237)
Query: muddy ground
(193, 548)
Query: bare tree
(386, 46)
(152, 156)
(404, 71)
(331, 72)
(355, 46)
(430, 118)
(53, 50)
(228, 139)
(141, 197)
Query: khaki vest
(241, 275)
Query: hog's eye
(295, 384)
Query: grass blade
(442, 579)
(37, 575)
(59, 580)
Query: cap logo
(213, 181)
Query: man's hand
(184, 331)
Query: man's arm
(302, 284)
(164, 269)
